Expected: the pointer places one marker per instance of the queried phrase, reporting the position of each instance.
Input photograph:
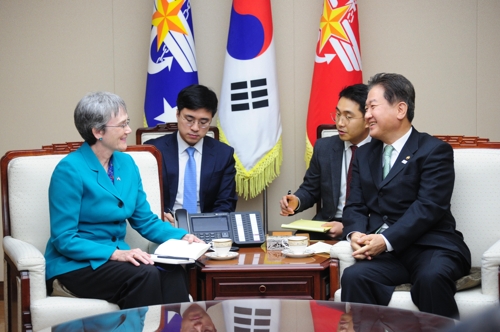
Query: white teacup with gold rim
(298, 244)
(221, 247)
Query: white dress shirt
(343, 177)
(183, 158)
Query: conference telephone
(244, 228)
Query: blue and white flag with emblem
(172, 60)
(249, 116)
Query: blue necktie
(387, 159)
(190, 203)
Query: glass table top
(260, 315)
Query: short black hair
(357, 93)
(197, 96)
(397, 88)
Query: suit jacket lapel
(117, 173)
(101, 175)
(336, 158)
(375, 162)
(207, 167)
(409, 149)
(171, 163)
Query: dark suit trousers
(431, 271)
(128, 285)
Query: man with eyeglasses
(326, 180)
(198, 171)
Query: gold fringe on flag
(251, 183)
(309, 152)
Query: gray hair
(94, 111)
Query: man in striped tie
(327, 179)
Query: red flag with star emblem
(337, 64)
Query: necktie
(349, 172)
(387, 159)
(190, 195)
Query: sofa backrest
(28, 179)
(475, 201)
(25, 181)
(326, 130)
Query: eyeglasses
(347, 118)
(123, 125)
(190, 121)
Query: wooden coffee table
(259, 274)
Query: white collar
(398, 145)
(183, 145)
(347, 144)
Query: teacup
(297, 244)
(221, 247)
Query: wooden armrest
(334, 277)
(193, 282)
(17, 297)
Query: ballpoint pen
(289, 193)
(175, 257)
(175, 223)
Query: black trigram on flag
(247, 95)
(251, 320)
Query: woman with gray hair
(93, 191)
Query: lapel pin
(404, 161)
(407, 157)
(118, 179)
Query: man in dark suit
(398, 216)
(214, 161)
(325, 181)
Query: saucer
(291, 254)
(230, 255)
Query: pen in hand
(173, 222)
(288, 201)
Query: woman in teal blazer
(93, 191)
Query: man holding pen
(326, 180)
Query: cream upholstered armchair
(25, 181)
(475, 207)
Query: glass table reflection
(260, 315)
